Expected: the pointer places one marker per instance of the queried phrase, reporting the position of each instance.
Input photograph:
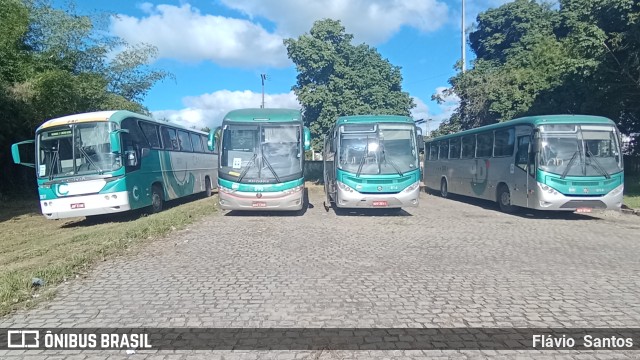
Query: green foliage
(581, 57)
(54, 62)
(336, 78)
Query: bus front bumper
(291, 200)
(85, 205)
(553, 200)
(354, 199)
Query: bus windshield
(76, 149)
(381, 149)
(261, 153)
(579, 150)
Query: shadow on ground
(520, 212)
(127, 216)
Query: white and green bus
(113, 161)
(371, 161)
(555, 162)
(261, 164)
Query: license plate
(259, 204)
(583, 210)
(77, 206)
(379, 203)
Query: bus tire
(207, 187)
(157, 198)
(504, 199)
(444, 189)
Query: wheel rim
(156, 200)
(505, 198)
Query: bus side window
(169, 139)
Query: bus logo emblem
(585, 190)
(259, 195)
(379, 188)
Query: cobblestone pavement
(449, 263)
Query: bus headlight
(547, 188)
(225, 190)
(617, 190)
(344, 186)
(412, 187)
(294, 190)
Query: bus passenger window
(170, 139)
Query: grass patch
(632, 191)
(56, 250)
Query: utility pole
(263, 77)
(464, 58)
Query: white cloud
(184, 33)
(372, 21)
(209, 109)
(422, 111)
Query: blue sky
(217, 49)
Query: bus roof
(535, 121)
(112, 115)
(258, 114)
(360, 119)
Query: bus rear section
(261, 165)
(372, 162)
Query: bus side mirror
(131, 158)
(307, 139)
(213, 136)
(15, 153)
(114, 140)
(420, 139)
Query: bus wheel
(207, 187)
(444, 192)
(504, 199)
(157, 199)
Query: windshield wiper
(86, 156)
(597, 165)
(366, 152)
(249, 165)
(566, 170)
(393, 164)
(275, 175)
(54, 162)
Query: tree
(582, 57)
(54, 62)
(336, 78)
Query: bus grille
(379, 181)
(558, 181)
(593, 204)
(585, 183)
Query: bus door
(522, 169)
